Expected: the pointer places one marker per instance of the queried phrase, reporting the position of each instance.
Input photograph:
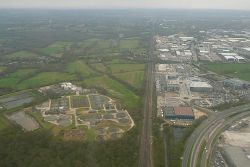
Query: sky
(121, 4)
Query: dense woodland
(41, 148)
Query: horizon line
(119, 8)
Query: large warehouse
(200, 86)
(178, 113)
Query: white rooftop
(247, 49)
(229, 57)
(200, 85)
(163, 50)
(239, 58)
(229, 54)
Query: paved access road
(205, 131)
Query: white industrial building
(245, 51)
(239, 58)
(230, 58)
(162, 67)
(200, 86)
(163, 50)
(187, 38)
(187, 53)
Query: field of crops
(45, 78)
(57, 49)
(99, 67)
(119, 68)
(22, 55)
(79, 67)
(12, 80)
(130, 43)
(135, 79)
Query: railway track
(145, 150)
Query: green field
(115, 89)
(99, 67)
(135, 78)
(119, 68)
(100, 43)
(57, 49)
(2, 69)
(119, 61)
(80, 68)
(130, 43)
(3, 122)
(22, 55)
(109, 45)
(97, 47)
(241, 71)
(45, 78)
(12, 80)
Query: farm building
(178, 113)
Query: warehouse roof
(239, 58)
(168, 111)
(247, 49)
(228, 54)
(183, 111)
(200, 84)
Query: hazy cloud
(207, 4)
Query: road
(204, 133)
(213, 136)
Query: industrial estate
(188, 89)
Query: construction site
(86, 110)
(233, 147)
